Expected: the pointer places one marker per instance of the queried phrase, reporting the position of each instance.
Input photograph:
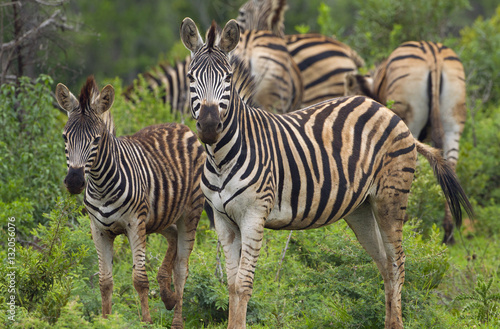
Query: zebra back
(323, 62)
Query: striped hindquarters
(426, 81)
(323, 63)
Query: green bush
(45, 269)
(477, 46)
(32, 161)
(382, 25)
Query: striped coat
(346, 158)
(135, 185)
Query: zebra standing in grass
(346, 158)
(323, 62)
(271, 79)
(426, 81)
(136, 185)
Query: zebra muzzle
(209, 124)
(75, 180)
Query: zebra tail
(434, 86)
(453, 191)
(210, 214)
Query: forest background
(312, 279)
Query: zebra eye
(228, 77)
(96, 140)
(65, 138)
(190, 77)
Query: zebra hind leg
(378, 225)
(186, 228)
(164, 276)
(136, 233)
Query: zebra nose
(209, 124)
(75, 180)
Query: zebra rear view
(134, 185)
(346, 158)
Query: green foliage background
(323, 278)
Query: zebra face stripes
(346, 158)
(82, 132)
(209, 105)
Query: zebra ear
(106, 99)
(230, 36)
(66, 100)
(190, 36)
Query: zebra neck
(106, 164)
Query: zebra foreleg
(104, 247)
(244, 250)
(136, 233)
(230, 237)
(164, 276)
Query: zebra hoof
(169, 298)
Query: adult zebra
(275, 79)
(140, 184)
(346, 158)
(323, 61)
(426, 82)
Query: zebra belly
(318, 211)
(113, 218)
(285, 218)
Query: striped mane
(88, 94)
(212, 35)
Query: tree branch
(34, 31)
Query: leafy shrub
(31, 151)
(44, 271)
(476, 47)
(426, 201)
(483, 305)
(382, 25)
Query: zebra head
(210, 75)
(82, 133)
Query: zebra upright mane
(88, 94)
(212, 35)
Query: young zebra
(135, 185)
(426, 81)
(276, 83)
(323, 61)
(346, 158)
